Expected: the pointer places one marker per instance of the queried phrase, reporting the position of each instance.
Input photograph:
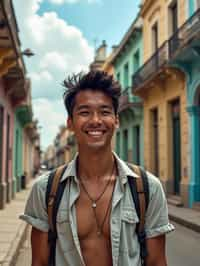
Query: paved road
(183, 249)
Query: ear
(70, 123)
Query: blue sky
(105, 20)
(62, 35)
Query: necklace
(100, 226)
(94, 201)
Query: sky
(63, 34)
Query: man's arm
(40, 249)
(156, 251)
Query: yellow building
(163, 89)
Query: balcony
(151, 67)
(181, 46)
(12, 64)
(126, 100)
(186, 35)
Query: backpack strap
(54, 194)
(140, 192)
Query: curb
(188, 224)
(10, 259)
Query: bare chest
(93, 219)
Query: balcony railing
(157, 60)
(124, 100)
(185, 34)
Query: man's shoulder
(155, 185)
(42, 180)
(154, 182)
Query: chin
(97, 145)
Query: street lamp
(27, 52)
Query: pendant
(94, 205)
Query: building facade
(185, 55)
(168, 82)
(126, 61)
(14, 104)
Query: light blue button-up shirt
(123, 218)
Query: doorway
(176, 144)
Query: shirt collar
(123, 170)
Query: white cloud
(51, 115)
(60, 49)
(60, 2)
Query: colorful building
(15, 105)
(126, 60)
(100, 57)
(63, 149)
(184, 48)
(168, 83)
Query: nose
(96, 118)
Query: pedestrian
(96, 219)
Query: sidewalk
(13, 231)
(186, 217)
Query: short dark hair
(93, 80)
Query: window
(126, 74)
(136, 145)
(118, 76)
(118, 143)
(173, 18)
(136, 61)
(155, 37)
(125, 145)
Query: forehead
(92, 98)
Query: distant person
(96, 219)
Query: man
(96, 220)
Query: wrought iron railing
(124, 98)
(185, 34)
(169, 49)
(156, 61)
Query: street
(183, 249)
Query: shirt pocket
(128, 239)
(64, 230)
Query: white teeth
(95, 133)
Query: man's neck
(94, 166)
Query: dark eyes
(84, 113)
(106, 112)
(103, 112)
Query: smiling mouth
(95, 133)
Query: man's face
(94, 120)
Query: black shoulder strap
(140, 195)
(58, 192)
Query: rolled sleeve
(157, 220)
(35, 212)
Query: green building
(126, 61)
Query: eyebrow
(79, 108)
